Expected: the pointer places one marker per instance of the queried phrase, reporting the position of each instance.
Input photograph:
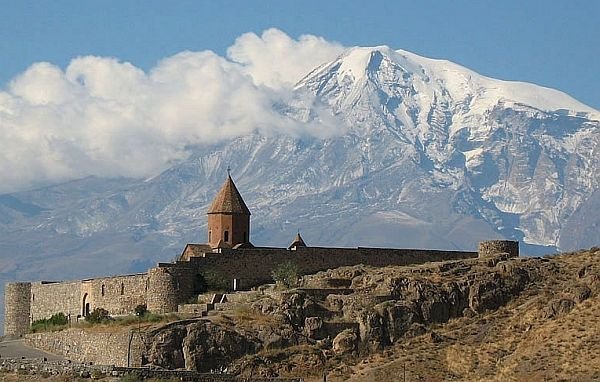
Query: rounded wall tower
(494, 247)
(17, 308)
(162, 291)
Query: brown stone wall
(118, 294)
(16, 308)
(254, 266)
(56, 297)
(169, 286)
(493, 247)
(104, 348)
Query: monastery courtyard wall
(166, 286)
(253, 266)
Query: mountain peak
(431, 79)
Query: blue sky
(550, 43)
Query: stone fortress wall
(253, 266)
(492, 247)
(16, 308)
(229, 254)
(167, 285)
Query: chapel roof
(228, 200)
(298, 242)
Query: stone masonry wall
(169, 286)
(50, 298)
(254, 266)
(105, 348)
(117, 294)
(16, 310)
(493, 247)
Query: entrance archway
(85, 307)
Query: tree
(286, 273)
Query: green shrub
(141, 310)
(98, 315)
(286, 274)
(211, 281)
(56, 322)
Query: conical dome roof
(298, 242)
(228, 200)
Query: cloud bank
(103, 117)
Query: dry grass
(514, 343)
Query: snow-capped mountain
(431, 155)
(526, 152)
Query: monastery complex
(227, 253)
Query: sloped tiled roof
(198, 249)
(298, 242)
(228, 200)
(194, 250)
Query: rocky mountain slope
(427, 154)
(490, 319)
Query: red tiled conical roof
(228, 200)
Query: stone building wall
(253, 266)
(16, 308)
(55, 297)
(493, 247)
(105, 348)
(117, 294)
(169, 286)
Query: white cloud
(274, 59)
(108, 118)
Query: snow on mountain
(429, 154)
(512, 144)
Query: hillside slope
(492, 319)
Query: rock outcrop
(305, 330)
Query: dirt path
(18, 349)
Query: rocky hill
(491, 319)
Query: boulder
(346, 342)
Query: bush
(97, 316)
(286, 274)
(211, 281)
(56, 322)
(141, 310)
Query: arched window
(209, 236)
(102, 290)
(226, 236)
(122, 289)
(147, 284)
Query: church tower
(228, 218)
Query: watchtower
(228, 218)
